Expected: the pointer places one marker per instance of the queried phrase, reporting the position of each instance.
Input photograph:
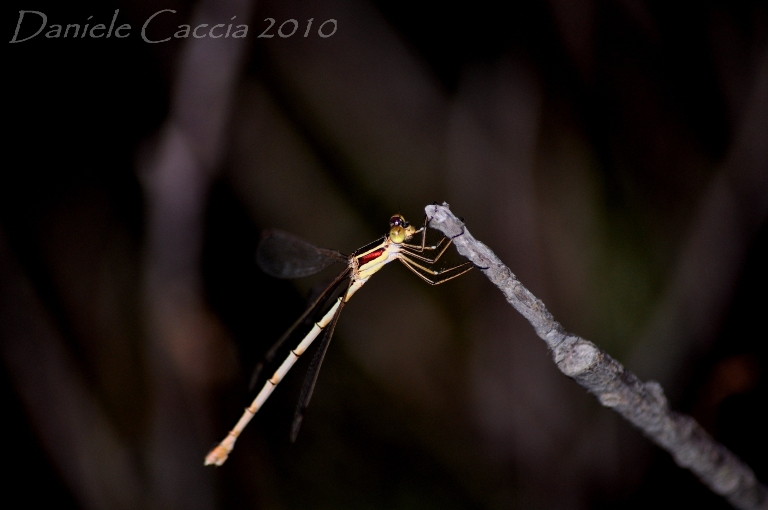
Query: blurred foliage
(581, 141)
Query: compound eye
(397, 234)
(396, 220)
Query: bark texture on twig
(643, 404)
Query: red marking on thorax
(364, 259)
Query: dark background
(613, 154)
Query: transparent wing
(314, 370)
(284, 255)
(316, 304)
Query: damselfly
(285, 256)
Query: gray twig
(643, 404)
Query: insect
(285, 256)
